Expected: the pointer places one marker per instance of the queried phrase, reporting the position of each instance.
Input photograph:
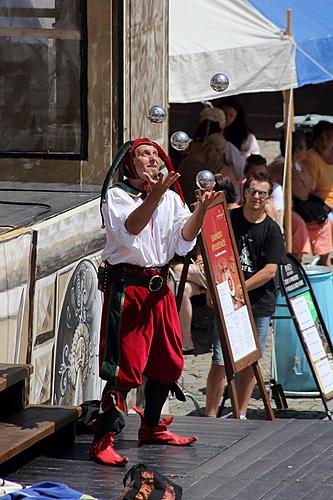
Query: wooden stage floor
(253, 459)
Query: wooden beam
(39, 33)
(24, 12)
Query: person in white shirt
(146, 224)
(236, 129)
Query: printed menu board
(225, 273)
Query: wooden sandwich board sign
(235, 321)
(310, 326)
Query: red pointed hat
(127, 162)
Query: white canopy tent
(228, 36)
(246, 40)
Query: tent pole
(288, 113)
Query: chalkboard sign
(292, 277)
(309, 325)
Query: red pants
(140, 335)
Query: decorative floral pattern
(78, 340)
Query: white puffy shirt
(157, 243)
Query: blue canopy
(312, 29)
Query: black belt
(110, 274)
(152, 283)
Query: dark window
(43, 88)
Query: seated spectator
(319, 162)
(196, 280)
(212, 156)
(307, 237)
(212, 121)
(300, 180)
(195, 285)
(236, 129)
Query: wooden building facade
(77, 80)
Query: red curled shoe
(160, 434)
(103, 451)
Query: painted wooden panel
(68, 237)
(66, 336)
(67, 308)
(61, 339)
(15, 272)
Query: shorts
(300, 235)
(320, 237)
(262, 327)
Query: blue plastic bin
(292, 369)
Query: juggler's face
(146, 160)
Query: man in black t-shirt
(261, 249)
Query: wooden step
(27, 427)
(11, 374)
(14, 381)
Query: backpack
(314, 209)
(147, 483)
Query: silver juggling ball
(205, 179)
(219, 82)
(156, 114)
(180, 140)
